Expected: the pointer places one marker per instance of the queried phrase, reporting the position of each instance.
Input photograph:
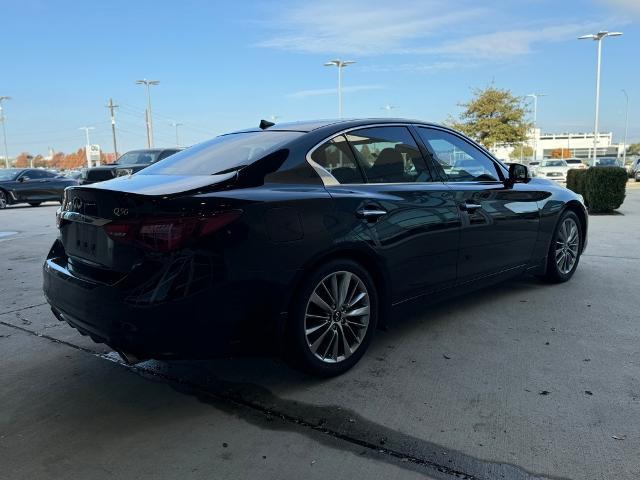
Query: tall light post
(535, 120)
(598, 38)
(388, 108)
(626, 129)
(176, 125)
(340, 64)
(86, 152)
(148, 84)
(4, 132)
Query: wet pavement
(523, 380)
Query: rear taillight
(164, 234)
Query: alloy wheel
(567, 245)
(3, 200)
(337, 316)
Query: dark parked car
(606, 162)
(129, 163)
(31, 185)
(300, 238)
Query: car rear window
(222, 154)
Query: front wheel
(3, 200)
(565, 249)
(333, 318)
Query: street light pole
(176, 125)
(626, 129)
(4, 132)
(86, 151)
(535, 120)
(148, 84)
(340, 64)
(598, 38)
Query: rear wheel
(333, 318)
(35, 204)
(3, 199)
(565, 249)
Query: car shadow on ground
(417, 319)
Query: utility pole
(111, 107)
(4, 132)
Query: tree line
(59, 160)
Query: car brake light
(164, 234)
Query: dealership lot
(524, 380)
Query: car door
(500, 219)
(27, 187)
(386, 195)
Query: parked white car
(553, 169)
(575, 163)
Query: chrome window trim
(323, 172)
(330, 181)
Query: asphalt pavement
(522, 380)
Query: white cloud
(630, 6)
(332, 91)
(357, 27)
(509, 43)
(450, 31)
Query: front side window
(335, 157)
(459, 160)
(388, 155)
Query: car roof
(307, 126)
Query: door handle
(470, 207)
(370, 213)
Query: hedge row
(603, 188)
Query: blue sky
(224, 65)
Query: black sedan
(32, 186)
(127, 164)
(301, 236)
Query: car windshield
(607, 161)
(554, 163)
(9, 174)
(222, 154)
(141, 157)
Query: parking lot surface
(522, 380)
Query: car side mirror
(518, 173)
(22, 179)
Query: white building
(578, 145)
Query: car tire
(35, 204)
(565, 249)
(332, 319)
(3, 199)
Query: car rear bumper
(124, 315)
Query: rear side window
(222, 154)
(388, 155)
(335, 156)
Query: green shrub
(575, 180)
(604, 188)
